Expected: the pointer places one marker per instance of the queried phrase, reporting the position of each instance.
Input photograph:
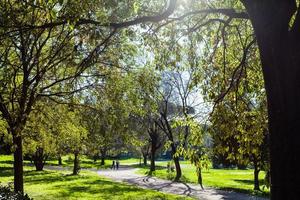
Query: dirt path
(129, 175)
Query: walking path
(129, 175)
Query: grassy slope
(58, 185)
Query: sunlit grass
(60, 185)
(86, 162)
(227, 179)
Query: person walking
(117, 164)
(113, 166)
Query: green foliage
(73, 133)
(39, 131)
(7, 193)
(55, 49)
(7, 138)
(55, 129)
(233, 82)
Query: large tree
(45, 47)
(276, 27)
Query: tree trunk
(59, 160)
(256, 173)
(155, 145)
(95, 158)
(76, 163)
(145, 159)
(178, 169)
(39, 165)
(18, 164)
(176, 162)
(283, 108)
(152, 165)
(102, 160)
(38, 159)
(256, 180)
(103, 156)
(279, 47)
(199, 174)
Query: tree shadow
(78, 186)
(147, 166)
(6, 171)
(245, 191)
(46, 177)
(248, 182)
(6, 162)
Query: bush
(6, 193)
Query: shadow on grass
(147, 166)
(6, 171)
(109, 189)
(83, 164)
(248, 182)
(47, 177)
(89, 186)
(6, 162)
(245, 191)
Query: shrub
(6, 193)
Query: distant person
(113, 166)
(117, 164)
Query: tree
(167, 112)
(178, 62)
(278, 41)
(42, 54)
(33, 64)
(276, 27)
(156, 141)
(147, 114)
(239, 116)
(74, 134)
(39, 137)
(100, 138)
(241, 137)
(197, 151)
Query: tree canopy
(88, 75)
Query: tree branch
(118, 25)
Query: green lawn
(228, 179)
(61, 185)
(86, 162)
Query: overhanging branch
(84, 21)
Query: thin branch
(234, 74)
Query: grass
(226, 179)
(59, 185)
(86, 162)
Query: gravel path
(129, 175)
